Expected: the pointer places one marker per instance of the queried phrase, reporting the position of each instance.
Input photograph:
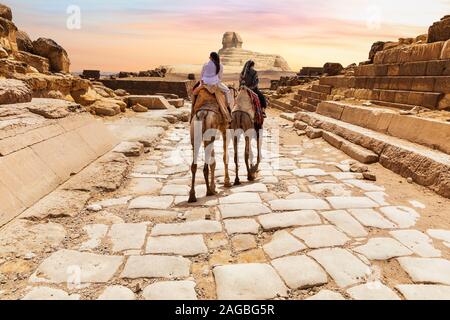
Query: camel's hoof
(251, 178)
(192, 199)
(227, 184)
(237, 183)
(211, 193)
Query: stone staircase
(414, 147)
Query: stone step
(421, 68)
(425, 166)
(414, 98)
(418, 52)
(433, 134)
(439, 84)
(280, 105)
(322, 88)
(394, 105)
(312, 94)
(314, 102)
(307, 107)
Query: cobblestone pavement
(308, 228)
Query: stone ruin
(47, 129)
(378, 111)
(233, 55)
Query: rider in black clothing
(249, 78)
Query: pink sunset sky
(137, 35)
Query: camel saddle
(210, 98)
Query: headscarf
(247, 67)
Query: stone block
(436, 67)
(27, 176)
(333, 139)
(359, 153)
(10, 206)
(330, 109)
(424, 84)
(445, 54)
(98, 137)
(151, 102)
(442, 84)
(65, 155)
(413, 68)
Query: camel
(243, 122)
(208, 123)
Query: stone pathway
(307, 229)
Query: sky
(133, 35)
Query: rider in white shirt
(212, 74)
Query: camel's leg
(258, 161)
(227, 183)
(236, 160)
(212, 167)
(192, 197)
(247, 159)
(206, 167)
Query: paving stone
(151, 202)
(378, 197)
(424, 291)
(282, 244)
(344, 268)
(251, 281)
(243, 242)
(427, 270)
(309, 172)
(364, 185)
(243, 197)
(443, 235)
(46, 293)
(330, 189)
(91, 268)
(282, 220)
(175, 190)
(383, 249)
(404, 217)
(255, 187)
(352, 202)
(299, 204)
(242, 210)
(190, 227)
(113, 202)
(144, 186)
(300, 195)
(170, 290)
(241, 226)
(178, 245)
(151, 266)
(372, 291)
(347, 175)
(321, 236)
(371, 218)
(327, 295)
(127, 236)
(345, 222)
(95, 232)
(117, 293)
(418, 242)
(300, 272)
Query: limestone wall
(37, 154)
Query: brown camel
(208, 123)
(243, 123)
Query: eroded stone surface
(346, 223)
(235, 226)
(170, 290)
(289, 219)
(178, 245)
(343, 267)
(151, 202)
(243, 282)
(242, 210)
(300, 272)
(321, 236)
(372, 291)
(297, 204)
(46, 293)
(152, 266)
(383, 249)
(90, 267)
(282, 244)
(427, 270)
(418, 242)
(117, 293)
(424, 291)
(327, 295)
(127, 236)
(190, 227)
